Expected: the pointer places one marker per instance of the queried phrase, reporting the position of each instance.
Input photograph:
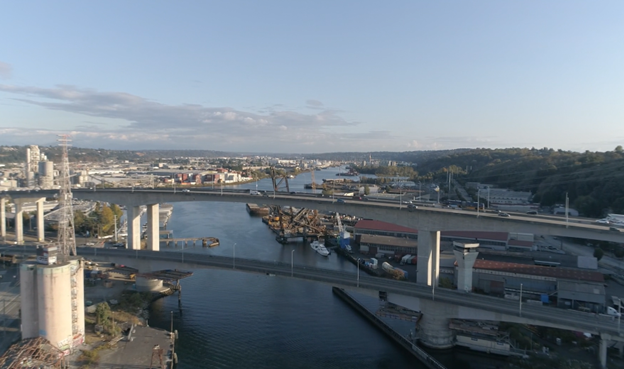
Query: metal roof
(32, 353)
(543, 271)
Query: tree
(366, 190)
(107, 219)
(598, 253)
(116, 211)
(102, 313)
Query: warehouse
(563, 287)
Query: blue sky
(313, 76)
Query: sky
(313, 76)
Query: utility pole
(478, 200)
(566, 208)
(520, 302)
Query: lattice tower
(66, 232)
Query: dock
(143, 347)
(408, 345)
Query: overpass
(428, 221)
(436, 305)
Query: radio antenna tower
(66, 232)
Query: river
(233, 319)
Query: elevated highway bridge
(436, 305)
(428, 221)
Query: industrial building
(52, 299)
(563, 287)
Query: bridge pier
(602, 350)
(434, 325)
(204, 242)
(40, 220)
(3, 218)
(19, 223)
(428, 257)
(153, 227)
(134, 227)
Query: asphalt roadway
(544, 315)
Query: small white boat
(320, 248)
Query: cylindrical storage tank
(55, 304)
(78, 274)
(46, 168)
(29, 300)
(148, 285)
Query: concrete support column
(40, 219)
(602, 350)
(153, 211)
(134, 227)
(19, 223)
(428, 257)
(3, 218)
(434, 330)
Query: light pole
(619, 302)
(358, 272)
(566, 208)
(292, 262)
(234, 256)
(115, 227)
(520, 302)
(478, 201)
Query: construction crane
(344, 237)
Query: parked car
(341, 201)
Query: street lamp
(478, 201)
(520, 302)
(234, 257)
(358, 272)
(292, 261)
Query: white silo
(46, 174)
(29, 300)
(55, 304)
(53, 301)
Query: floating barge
(255, 209)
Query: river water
(233, 319)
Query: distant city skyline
(313, 77)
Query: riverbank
(118, 314)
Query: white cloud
(5, 70)
(146, 124)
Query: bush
(598, 253)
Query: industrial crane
(344, 237)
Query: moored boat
(320, 248)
